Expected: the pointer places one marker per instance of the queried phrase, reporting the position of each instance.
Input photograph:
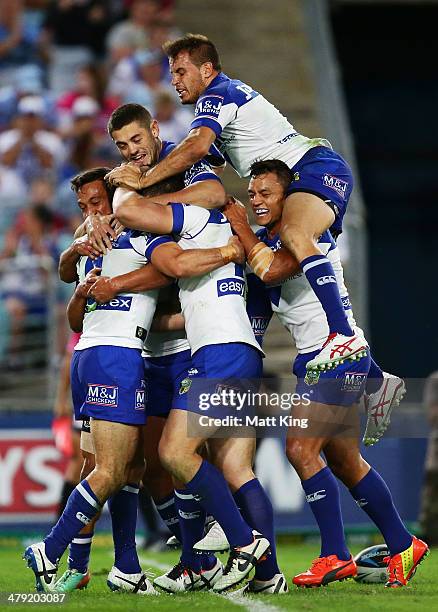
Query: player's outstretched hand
(235, 212)
(239, 256)
(103, 290)
(126, 175)
(84, 247)
(100, 232)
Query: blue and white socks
(321, 276)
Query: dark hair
(201, 50)
(89, 176)
(276, 166)
(128, 113)
(167, 185)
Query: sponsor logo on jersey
(353, 381)
(209, 106)
(185, 386)
(121, 302)
(193, 371)
(361, 503)
(230, 286)
(84, 519)
(346, 302)
(102, 395)
(140, 399)
(259, 325)
(323, 280)
(313, 497)
(141, 333)
(286, 139)
(312, 377)
(336, 184)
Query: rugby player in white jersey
(108, 385)
(246, 127)
(224, 350)
(332, 392)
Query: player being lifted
(108, 385)
(246, 127)
(333, 392)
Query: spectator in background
(28, 81)
(74, 34)
(161, 30)
(12, 198)
(132, 33)
(29, 148)
(90, 82)
(429, 510)
(31, 248)
(13, 50)
(150, 80)
(173, 120)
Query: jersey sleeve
(201, 171)
(213, 111)
(188, 221)
(145, 244)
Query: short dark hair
(276, 166)
(89, 176)
(200, 48)
(167, 185)
(128, 113)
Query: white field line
(252, 605)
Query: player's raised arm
(272, 267)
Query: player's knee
(169, 455)
(296, 239)
(88, 464)
(299, 453)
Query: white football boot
(42, 567)
(379, 406)
(276, 585)
(241, 561)
(337, 349)
(132, 583)
(180, 579)
(214, 541)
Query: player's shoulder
(224, 90)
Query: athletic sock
(192, 520)
(211, 489)
(123, 510)
(374, 497)
(67, 490)
(321, 276)
(79, 552)
(256, 509)
(374, 378)
(166, 508)
(322, 493)
(81, 508)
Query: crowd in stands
(65, 65)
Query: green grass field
(421, 594)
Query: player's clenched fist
(103, 290)
(126, 175)
(235, 212)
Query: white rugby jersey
(126, 319)
(297, 305)
(213, 304)
(159, 344)
(248, 128)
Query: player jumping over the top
(246, 128)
